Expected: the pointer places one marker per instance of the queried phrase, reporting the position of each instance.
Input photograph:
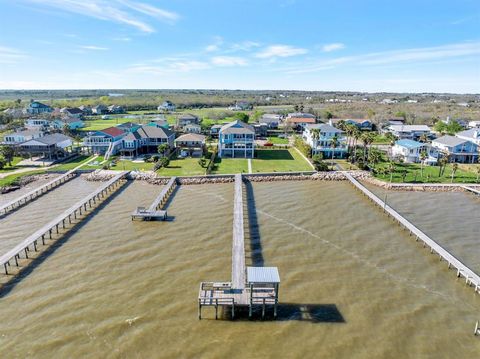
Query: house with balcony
(73, 123)
(321, 138)
(190, 144)
(410, 151)
(192, 128)
(236, 140)
(145, 140)
(15, 138)
(272, 120)
(54, 147)
(37, 108)
(105, 141)
(457, 149)
(40, 124)
(74, 112)
(187, 119)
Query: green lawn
(182, 167)
(278, 140)
(97, 125)
(380, 139)
(13, 167)
(413, 174)
(70, 165)
(12, 179)
(230, 166)
(279, 161)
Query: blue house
(236, 140)
(457, 149)
(72, 123)
(107, 141)
(35, 108)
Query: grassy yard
(13, 167)
(230, 166)
(97, 125)
(380, 139)
(344, 164)
(12, 179)
(279, 161)
(71, 164)
(411, 172)
(182, 167)
(278, 140)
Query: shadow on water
(56, 244)
(256, 255)
(310, 313)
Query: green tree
(242, 116)
(163, 148)
(2, 163)
(327, 114)
(374, 156)
(319, 163)
(401, 114)
(423, 157)
(7, 153)
(334, 144)
(454, 170)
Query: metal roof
(263, 275)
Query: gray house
(146, 139)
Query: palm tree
(367, 140)
(442, 161)
(356, 136)
(423, 157)
(333, 145)
(374, 156)
(391, 169)
(454, 170)
(423, 138)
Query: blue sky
(401, 46)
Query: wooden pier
(472, 190)
(37, 192)
(471, 278)
(62, 221)
(155, 212)
(250, 286)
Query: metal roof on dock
(263, 275)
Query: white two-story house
(236, 140)
(322, 137)
(411, 152)
(412, 132)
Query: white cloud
(274, 51)
(93, 48)
(244, 46)
(415, 55)
(169, 65)
(229, 61)
(119, 11)
(9, 55)
(333, 47)
(215, 46)
(123, 39)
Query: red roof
(301, 120)
(113, 131)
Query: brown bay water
(354, 285)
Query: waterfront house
(412, 132)
(73, 112)
(109, 139)
(214, 130)
(236, 139)
(15, 138)
(190, 144)
(300, 123)
(320, 137)
(37, 108)
(271, 120)
(472, 135)
(115, 109)
(192, 128)
(99, 110)
(457, 149)
(145, 140)
(54, 146)
(410, 151)
(167, 106)
(361, 123)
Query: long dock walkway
(76, 211)
(37, 192)
(252, 286)
(238, 243)
(471, 278)
(155, 210)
